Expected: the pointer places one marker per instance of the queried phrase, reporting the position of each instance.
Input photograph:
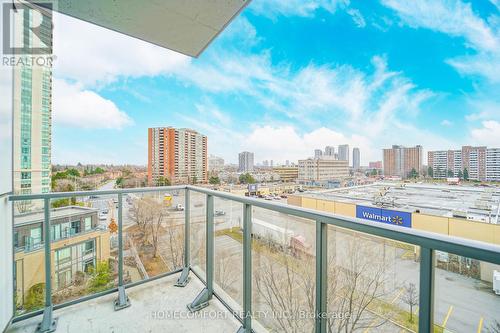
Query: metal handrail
(428, 242)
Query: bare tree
(23, 206)
(410, 297)
(140, 214)
(158, 213)
(175, 238)
(356, 279)
(224, 270)
(360, 279)
(285, 287)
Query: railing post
(426, 299)
(247, 270)
(48, 324)
(206, 294)
(122, 301)
(321, 277)
(184, 278)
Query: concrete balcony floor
(152, 303)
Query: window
(75, 227)
(56, 232)
(63, 256)
(65, 229)
(89, 247)
(36, 236)
(88, 223)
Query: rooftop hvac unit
(460, 213)
(496, 282)
(482, 205)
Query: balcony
(249, 264)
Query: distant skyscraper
(318, 153)
(399, 160)
(356, 158)
(287, 163)
(343, 152)
(32, 113)
(330, 151)
(179, 155)
(245, 160)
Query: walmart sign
(384, 215)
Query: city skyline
(256, 90)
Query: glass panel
(228, 252)
(466, 294)
(82, 263)
(198, 232)
(29, 256)
(153, 233)
(283, 253)
(372, 283)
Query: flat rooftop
(156, 306)
(55, 213)
(479, 203)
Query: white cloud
(446, 123)
(457, 19)
(93, 55)
(75, 106)
(357, 17)
(303, 8)
(487, 135)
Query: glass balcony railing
(277, 268)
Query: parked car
(103, 215)
(219, 213)
(268, 197)
(179, 207)
(284, 196)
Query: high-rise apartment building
(356, 158)
(215, 163)
(179, 155)
(32, 108)
(321, 171)
(400, 161)
(245, 162)
(480, 163)
(493, 164)
(318, 153)
(343, 153)
(330, 151)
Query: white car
(103, 216)
(179, 207)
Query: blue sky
(287, 77)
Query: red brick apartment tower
(179, 155)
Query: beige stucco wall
(345, 209)
(325, 206)
(294, 200)
(430, 223)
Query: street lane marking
(480, 326)
(447, 316)
(397, 296)
(376, 316)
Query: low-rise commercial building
(322, 171)
(287, 174)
